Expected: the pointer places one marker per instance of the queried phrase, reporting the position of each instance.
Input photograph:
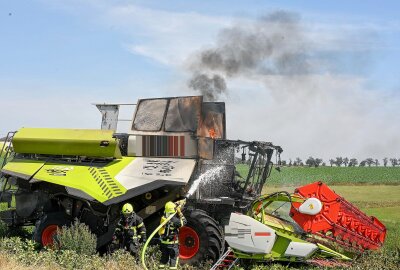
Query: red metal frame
(339, 220)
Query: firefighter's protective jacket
(132, 226)
(169, 232)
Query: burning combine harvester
(176, 149)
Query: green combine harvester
(58, 175)
(176, 149)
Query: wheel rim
(189, 243)
(48, 235)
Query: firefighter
(130, 230)
(169, 236)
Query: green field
(294, 176)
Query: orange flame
(212, 133)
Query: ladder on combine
(5, 154)
(226, 261)
(6, 149)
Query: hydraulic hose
(151, 237)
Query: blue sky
(58, 56)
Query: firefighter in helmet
(130, 230)
(169, 236)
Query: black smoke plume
(272, 45)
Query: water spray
(204, 178)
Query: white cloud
(319, 115)
(166, 37)
(169, 37)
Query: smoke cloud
(272, 45)
(210, 87)
(300, 87)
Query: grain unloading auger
(313, 225)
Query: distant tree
(339, 161)
(385, 161)
(331, 161)
(299, 161)
(323, 164)
(377, 162)
(283, 162)
(310, 162)
(290, 162)
(369, 161)
(362, 163)
(346, 161)
(318, 161)
(394, 162)
(353, 162)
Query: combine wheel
(46, 227)
(201, 239)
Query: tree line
(341, 162)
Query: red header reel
(339, 220)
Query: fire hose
(142, 255)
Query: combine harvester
(176, 149)
(173, 147)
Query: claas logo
(59, 171)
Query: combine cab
(176, 148)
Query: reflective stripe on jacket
(133, 225)
(169, 232)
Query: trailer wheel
(201, 239)
(46, 227)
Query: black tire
(46, 222)
(211, 240)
